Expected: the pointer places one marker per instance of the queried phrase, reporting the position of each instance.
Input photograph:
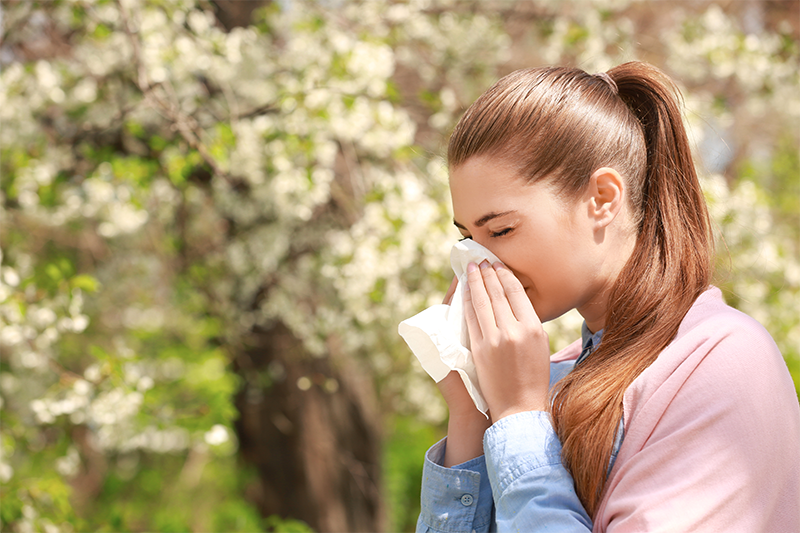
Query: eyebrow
(483, 220)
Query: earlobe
(608, 190)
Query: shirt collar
(588, 340)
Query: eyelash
(501, 232)
(492, 234)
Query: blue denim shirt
(520, 484)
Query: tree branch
(167, 106)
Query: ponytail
(669, 268)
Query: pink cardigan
(712, 433)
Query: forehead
(485, 174)
(484, 185)
(485, 181)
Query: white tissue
(438, 335)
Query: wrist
(469, 420)
(516, 409)
(465, 437)
(466, 413)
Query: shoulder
(715, 335)
(713, 423)
(722, 364)
(710, 317)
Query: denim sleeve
(454, 499)
(532, 489)
(461, 498)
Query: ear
(607, 192)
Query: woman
(675, 412)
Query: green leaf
(85, 282)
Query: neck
(613, 255)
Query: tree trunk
(310, 427)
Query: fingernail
(497, 265)
(471, 267)
(484, 264)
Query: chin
(547, 313)
(547, 318)
(541, 311)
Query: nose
(485, 244)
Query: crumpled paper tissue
(438, 335)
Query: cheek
(545, 271)
(524, 266)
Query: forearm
(466, 425)
(465, 437)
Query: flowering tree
(209, 236)
(197, 220)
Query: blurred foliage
(407, 443)
(167, 185)
(780, 178)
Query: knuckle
(495, 342)
(480, 304)
(514, 336)
(537, 333)
(508, 336)
(469, 313)
(496, 294)
(532, 329)
(515, 289)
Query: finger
(520, 304)
(501, 307)
(448, 297)
(470, 314)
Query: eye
(501, 232)
(464, 238)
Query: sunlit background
(214, 214)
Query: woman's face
(549, 243)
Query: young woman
(674, 412)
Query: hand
(465, 426)
(453, 391)
(509, 345)
(458, 400)
(448, 297)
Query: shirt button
(466, 500)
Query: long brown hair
(561, 124)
